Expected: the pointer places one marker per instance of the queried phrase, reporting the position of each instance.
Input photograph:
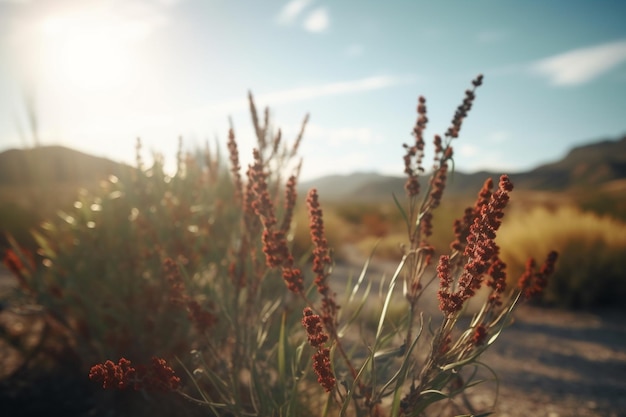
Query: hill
(35, 183)
(53, 164)
(596, 165)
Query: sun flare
(87, 51)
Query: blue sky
(100, 73)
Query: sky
(97, 74)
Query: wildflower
(158, 376)
(480, 335)
(532, 283)
(113, 375)
(262, 203)
(274, 240)
(290, 202)
(314, 330)
(497, 282)
(293, 278)
(235, 167)
(321, 359)
(322, 367)
(462, 226)
(416, 151)
(449, 303)
(438, 183)
(321, 258)
(463, 109)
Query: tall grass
(592, 266)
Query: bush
(123, 268)
(592, 266)
(102, 278)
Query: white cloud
(581, 65)
(317, 21)
(331, 89)
(228, 107)
(290, 12)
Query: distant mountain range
(592, 165)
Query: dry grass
(591, 266)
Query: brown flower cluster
(416, 151)
(481, 252)
(321, 258)
(497, 282)
(235, 167)
(321, 359)
(201, 318)
(274, 239)
(464, 108)
(462, 226)
(157, 376)
(291, 196)
(532, 283)
(314, 329)
(480, 335)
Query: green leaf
(404, 216)
(392, 284)
(282, 346)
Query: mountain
(35, 183)
(584, 166)
(53, 164)
(589, 166)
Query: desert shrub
(269, 339)
(592, 267)
(101, 276)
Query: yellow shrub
(591, 270)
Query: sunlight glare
(88, 51)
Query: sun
(88, 50)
